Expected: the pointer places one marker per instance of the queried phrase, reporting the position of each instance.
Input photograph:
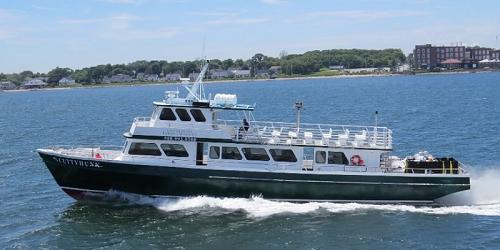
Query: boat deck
(329, 135)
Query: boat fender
(356, 160)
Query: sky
(39, 35)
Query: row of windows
(333, 158)
(251, 154)
(141, 148)
(168, 115)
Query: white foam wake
(483, 199)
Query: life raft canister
(357, 161)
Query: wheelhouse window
(337, 158)
(320, 157)
(285, 155)
(141, 148)
(198, 115)
(177, 150)
(183, 115)
(231, 153)
(214, 152)
(255, 154)
(167, 114)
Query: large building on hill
(428, 56)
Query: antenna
(298, 106)
(496, 42)
(196, 92)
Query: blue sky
(39, 35)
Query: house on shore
(220, 74)
(172, 77)
(7, 85)
(118, 78)
(193, 76)
(151, 77)
(66, 81)
(262, 73)
(241, 73)
(35, 83)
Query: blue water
(456, 115)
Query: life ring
(97, 156)
(356, 160)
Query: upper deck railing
(282, 133)
(313, 134)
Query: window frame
(217, 150)
(316, 157)
(142, 154)
(249, 157)
(345, 161)
(183, 116)
(199, 114)
(177, 153)
(277, 157)
(173, 117)
(238, 155)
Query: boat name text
(77, 163)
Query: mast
(196, 92)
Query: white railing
(312, 134)
(288, 134)
(89, 151)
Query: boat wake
(483, 199)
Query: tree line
(291, 64)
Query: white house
(66, 81)
(218, 74)
(151, 77)
(118, 78)
(34, 83)
(172, 77)
(7, 85)
(241, 73)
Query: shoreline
(244, 80)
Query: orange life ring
(356, 160)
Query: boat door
(201, 153)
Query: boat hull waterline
(81, 176)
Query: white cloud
(274, 2)
(364, 14)
(239, 20)
(123, 1)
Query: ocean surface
(456, 114)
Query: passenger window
(177, 150)
(255, 154)
(337, 158)
(214, 152)
(198, 115)
(183, 115)
(320, 157)
(231, 153)
(167, 114)
(286, 155)
(139, 148)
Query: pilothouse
(185, 148)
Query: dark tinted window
(214, 152)
(198, 115)
(231, 153)
(255, 154)
(320, 156)
(337, 158)
(283, 155)
(167, 114)
(139, 148)
(174, 150)
(183, 114)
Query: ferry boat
(186, 149)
